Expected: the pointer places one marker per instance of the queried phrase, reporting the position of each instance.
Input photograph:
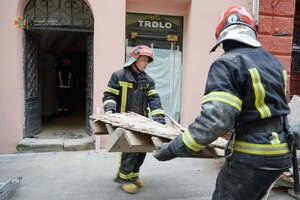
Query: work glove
(164, 153)
(159, 118)
(108, 112)
(168, 151)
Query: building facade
(96, 35)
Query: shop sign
(154, 24)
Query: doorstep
(59, 144)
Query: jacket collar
(129, 74)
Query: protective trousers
(63, 95)
(238, 181)
(129, 167)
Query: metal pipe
(255, 10)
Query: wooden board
(122, 140)
(130, 132)
(98, 127)
(135, 122)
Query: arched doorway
(58, 30)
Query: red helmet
(237, 23)
(138, 51)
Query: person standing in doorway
(132, 89)
(64, 79)
(245, 92)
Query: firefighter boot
(139, 183)
(130, 188)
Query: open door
(89, 81)
(32, 85)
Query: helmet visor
(240, 33)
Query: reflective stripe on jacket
(127, 91)
(244, 85)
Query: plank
(135, 122)
(122, 140)
(109, 128)
(111, 145)
(135, 139)
(98, 127)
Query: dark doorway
(58, 30)
(55, 48)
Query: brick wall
(276, 17)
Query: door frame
(46, 25)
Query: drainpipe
(255, 10)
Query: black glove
(168, 151)
(159, 118)
(165, 153)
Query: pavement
(77, 175)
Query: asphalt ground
(89, 175)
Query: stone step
(59, 144)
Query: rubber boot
(139, 183)
(130, 188)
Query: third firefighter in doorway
(132, 89)
(246, 92)
(64, 83)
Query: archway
(58, 30)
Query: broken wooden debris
(98, 127)
(135, 122)
(122, 140)
(130, 132)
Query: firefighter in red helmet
(132, 89)
(245, 94)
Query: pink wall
(11, 70)
(109, 43)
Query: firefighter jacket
(128, 91)
(64, 79)
(245, 92)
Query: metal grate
(58, 14)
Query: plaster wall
(11, 82)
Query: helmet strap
(136, 68)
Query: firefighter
(64, 86)
(132, 89)
(245, 94)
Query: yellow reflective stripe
(265, 146)
(190, 142)
(151, 92)
(262, 152)
(260, 149)
(124, 99)
(112, 90)
(285, 80)
(63, 86)
(128, 176)
(260, 94)
(275, 138)
(109, 101)
(119, 165)
(225, 97)
(60, 80)
(125, 84)
(157, 111)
